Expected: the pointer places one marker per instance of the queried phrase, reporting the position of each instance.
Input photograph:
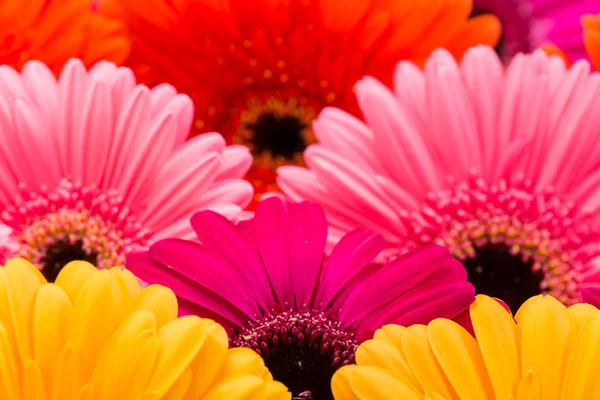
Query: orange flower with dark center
(260, 71)
(53, 31)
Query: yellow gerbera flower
(549, 352)
(95, 334)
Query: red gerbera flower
(260, 71)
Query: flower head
(53, 31)
(94, 167)
(498, 166)
(280, 62)
(97, 333)
(529, 24)
(547, 351)
(268, 282)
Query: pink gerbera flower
(267, 281)
(500, 166)
(93, 166)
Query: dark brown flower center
(496, 272)
(60, 254)
(301, 349)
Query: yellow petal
(580, 313)
(121, 355)
(547, 336)
(459, 356)
(391, 334)
(67, 364)
(87, 392)
(340, 383)
(380, 354)
(130, 281)
(179, 346)
(496, 333)
(73, 276)
(423, 363)
(529, 388)
(373, 383)
(241, 361)
(525, 308)
(50, 322)
(149, 346)
(10, 378)
(207, 363)
(581, 376)
(180, 387)
(23, 281)
(100, 306)
(434, 396)
(159, 300)
(277, 391)
(242, 388)
(33, 383)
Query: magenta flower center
(302, 349)
(513, 241)
(71, 223)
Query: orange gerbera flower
(53, 31)
(260, 71)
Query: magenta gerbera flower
(267, 280)
(529, 24)
(499, 166)
(93, 166)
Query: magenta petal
(591, 296)
(197, 263)
(307, 236)
(354, 252)
(225, 239)
(442, 299)
(395, 279)
(271, 223)
(151, 271)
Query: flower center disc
(496, 272)
(301, 349)
(279, 135)
(60, 254)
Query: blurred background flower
(53, 31)
(268, 282)
(499, 166)
(547, 351)
(94, 167)
(97, 332)
(529, 24)
(259, 72)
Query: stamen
(98, 223)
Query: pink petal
(307, 236)
(352, 254)
(207, 269)
(271, 225)
(223, 238)
(144, 267)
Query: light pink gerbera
(93, 166)
(501, 166)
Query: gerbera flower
(267, 281)
(500, 167)
(96, 333)
(280, 62)
(549, 352)
(53, 31)
(591, 37)
(93, 167)
(529, 24)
